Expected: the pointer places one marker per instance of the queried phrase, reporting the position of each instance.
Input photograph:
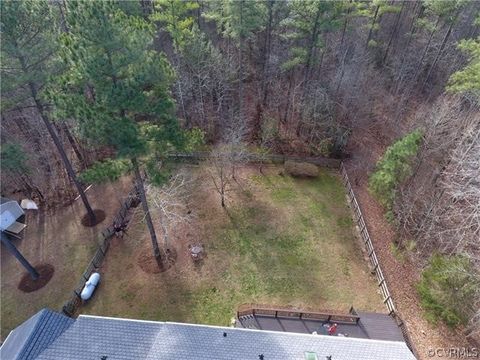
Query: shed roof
(92, 337)
(10, 211)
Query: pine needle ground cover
(280, 241)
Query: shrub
(14, 158)
(394, 167)
(301, 169)
(448, 289)
(102, 171)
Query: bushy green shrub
(102, 171)
(394, 167)
(14, 158)
(448, 289)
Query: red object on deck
(332, 329)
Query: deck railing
(289, 313)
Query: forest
(92, 90)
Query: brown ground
(403, 273)
(99, 217)
(45, 273)
(58, 239)
(149, 264)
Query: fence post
(368, 242)
(70, 306)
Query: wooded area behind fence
(132, 200)
(367, 241)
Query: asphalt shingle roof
(118, 339)
(90, 338)
(29, 339)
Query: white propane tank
(90, 286)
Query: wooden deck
(362, 325)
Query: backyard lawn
(281, 241)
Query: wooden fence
(382, 283)
(257, 158)
(387, 298)
(70, 306)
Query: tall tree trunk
(312, 44)
(413, 29)
(240, 67)
(342, 73)
(369, 37)
(73, 144)
(267, 50)
(344, 29)
(289, 93)
(199, 13)
(180, 90)
(58, 144)
(440, 51)
(394, 31)
(262, 101)
(427, 47)
(18, 255)
(148, 218)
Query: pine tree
(468, 79)
(448, 11)
(130, 108)
(309, 22)
(175, 17)
(28, 59)
(238, 20)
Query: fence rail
(367, 241)
(75, 300)
(257, 158)
(387, 297)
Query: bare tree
(172, 203)
(235, 146)
(440, 204)
(218, 167)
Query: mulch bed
(150, 265)
(99, 214)
(27, 284)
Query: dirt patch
(300, 169)
(149, 264)
(27, 284)
(99, 217)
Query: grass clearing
(281, 241)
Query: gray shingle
(29, 339)
(93, 337)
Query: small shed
(10, 214)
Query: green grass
(283, 241)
